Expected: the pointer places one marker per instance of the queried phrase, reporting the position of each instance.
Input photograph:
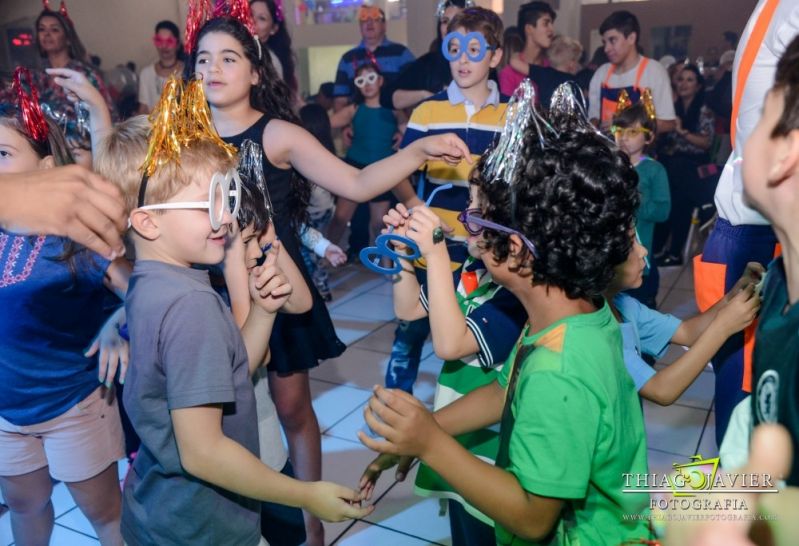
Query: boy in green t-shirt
(571, 424)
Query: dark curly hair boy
(574, 198)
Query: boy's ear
(145, 224)
(786, 163)
(47, 162)
(496, 58)
(518, 257)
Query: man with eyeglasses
(390, 57)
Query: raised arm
(452, 339)
(287, 144)
(99, 114)
(406, 288)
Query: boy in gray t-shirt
(197, 478)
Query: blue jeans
(406, 352)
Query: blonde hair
(121, 154)
(564, 50)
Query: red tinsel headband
(29, 109)
(279, 11)
(200, 12)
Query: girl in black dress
(249, 101)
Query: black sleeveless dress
(298, 342)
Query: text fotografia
(699, 477)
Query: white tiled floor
(363, 313)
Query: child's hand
(407, 426)
(425, 229)
(447, 147)
(376, 468)
(739, 312)
(114, 351)
(269, 288)
(78, 87)
(752, 275)
(333, 502)
(398, 218)
(335, 255)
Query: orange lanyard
(748, 58)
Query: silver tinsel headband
(444, 4)
(252, 168)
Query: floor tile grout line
(359, 406)
(702, 435)
(417, 537)
(64, 513)
(76, 531)
(348, 440)
(350, 385)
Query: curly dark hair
(253, 209)
(575, 198)
(271, 96)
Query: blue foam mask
(474, 44)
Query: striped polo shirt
(389, 56)
(450, 112)
(496, 318)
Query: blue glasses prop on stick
(474, 44)
(371, 255)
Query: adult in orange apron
(609, 96)
(727, 251)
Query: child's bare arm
(690, 330)
(410, 429)
(452, 339)
(234, 270)
(205, 452)
(290, 145)
(78, 84)
(668, 384)
(117, 276)
(300, 300)
(479, 409)
(406, 288)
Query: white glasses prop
(368, 79)
(221, 198)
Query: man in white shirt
(628, 71)
(741, 234)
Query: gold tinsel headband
(646, 99)
(180, 118)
